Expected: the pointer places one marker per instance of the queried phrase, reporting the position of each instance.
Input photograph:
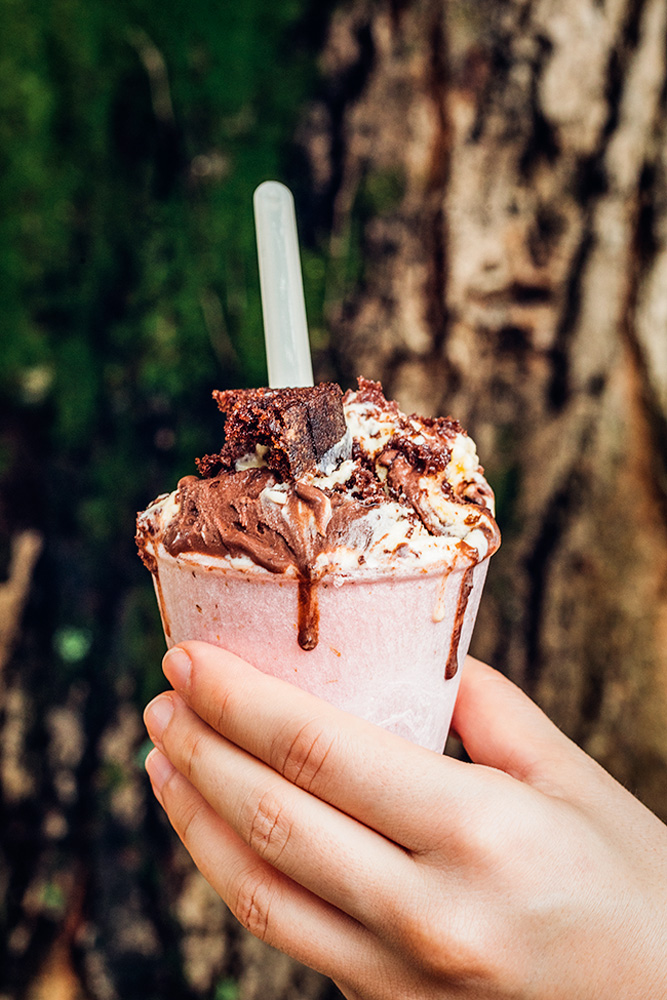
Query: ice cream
(334, 541)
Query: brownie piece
(297, 426)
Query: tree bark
(498, 186)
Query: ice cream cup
(389, 648)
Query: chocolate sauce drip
(309, 614)
(453, 658)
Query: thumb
(501, 727)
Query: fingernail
(157, 716)
(159, 769)
(177, 667)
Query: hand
(399, 873)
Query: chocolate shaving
(362, 485)
(371, 392)
(147, 558)
(427, 457)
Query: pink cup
(389, 648)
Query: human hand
(399, 873)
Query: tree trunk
(499, 242)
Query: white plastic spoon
(281, 283)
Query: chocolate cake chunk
(297, 426)
(326, 416)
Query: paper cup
(389, 649)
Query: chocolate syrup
(453, 658)
(309, 614)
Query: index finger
(369, 773)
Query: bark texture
(499, 193)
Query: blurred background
(481, 191)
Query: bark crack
(436, 284)
(554, 523)
(592, 185)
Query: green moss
(227, 989)
(382, 191)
